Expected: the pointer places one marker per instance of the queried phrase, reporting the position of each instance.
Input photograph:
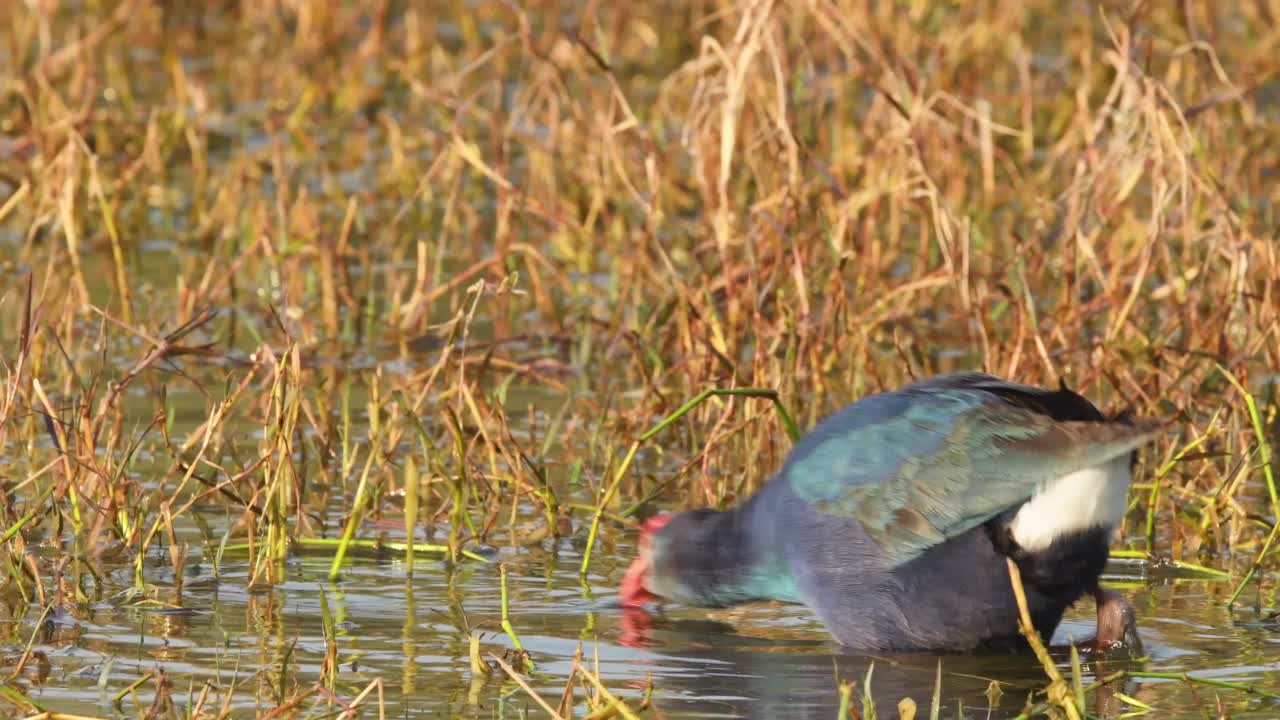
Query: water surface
(764, 660)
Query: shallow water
(760, 661)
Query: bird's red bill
(635, 587)
(633, 590)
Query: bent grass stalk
(507, 627)
(1179, 564)
(1264, 450)
(935, 705)
(31, 642)
(515, 676)
(357, 505)
(31, 514)
(1058, 691)
(460, 516)
(617, 704)
(1157, 482)
(845, 710)
(1189, 678)
(478, 667)
(374, 546)
(792, 432)
(328, 628)
(18, 698)
(131, 687)
(868, 700)
(410, 512)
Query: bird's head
(638, 584)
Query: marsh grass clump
(377, 279)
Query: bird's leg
(1117, 623)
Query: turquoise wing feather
(917, 468)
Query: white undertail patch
(1093, 497)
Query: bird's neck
(722, 558)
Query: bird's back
(882, 515)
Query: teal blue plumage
(919, 468)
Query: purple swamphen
(893, 518)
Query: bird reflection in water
(706, 666)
